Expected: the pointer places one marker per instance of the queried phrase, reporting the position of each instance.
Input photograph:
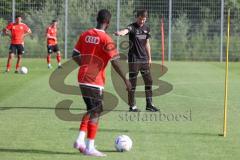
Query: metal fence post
(13, 10)
(118, 22)
(66, 30)
(170, 31)
(222, 22)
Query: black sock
(149, 101)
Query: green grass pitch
(29, 128)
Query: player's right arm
(48, 35)
(113, 56)
(76, 57)
(51, 37)
(122, 32)
(7, 30)
(3, 32)
(76, 54)
(125, 31)
(116, 65)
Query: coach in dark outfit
(139, 59)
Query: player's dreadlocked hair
(103, 16)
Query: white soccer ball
(123, 143)
(23, 70)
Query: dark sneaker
(60, 67)
(134, 109)
(16, 72)
(151, 108)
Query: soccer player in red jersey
(52, 45)
(93, 51)
(17, 31)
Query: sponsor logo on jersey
(92, 39)
(141, 36)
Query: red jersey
(51, 32)
(17, 32)
(96, 48)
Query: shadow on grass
(159, 132)
(36, 151)
(177, 133)
(51, 108)
(104, 130)
(109, 151)
(38, 108)
(192, 134)
(206, 134)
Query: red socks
(9, 63)
(92, 130)
(8, 66)
(89, 127)
(17, 66)
(58, 58)
(48, 59)
(84, 123)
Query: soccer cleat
(80, 147)
(134, 109)
(151, 108)
(49, 66)
(60, 67)
(16, 72)
(94, 152)
(7, 71)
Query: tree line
(195, 24)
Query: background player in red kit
(52, 45)
(92, 53)
(17, 31)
